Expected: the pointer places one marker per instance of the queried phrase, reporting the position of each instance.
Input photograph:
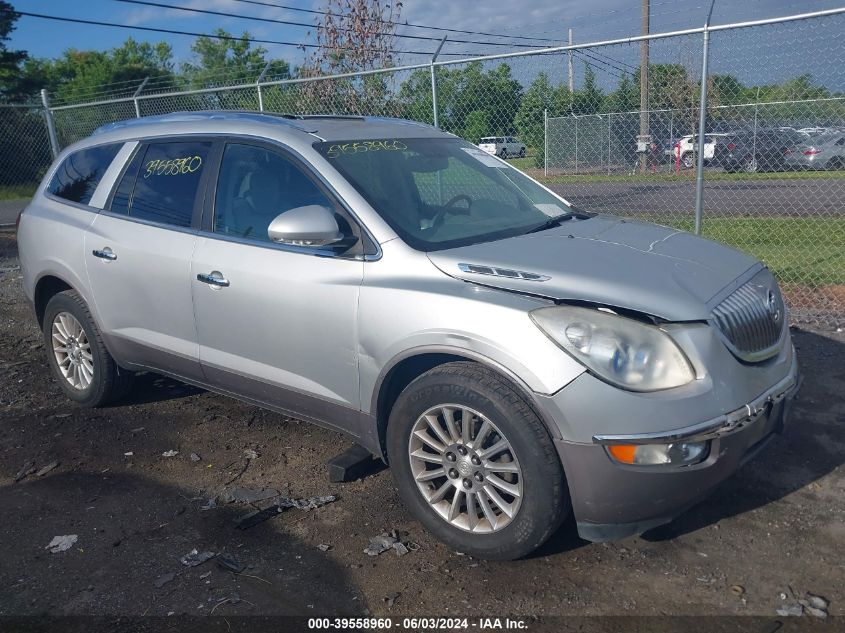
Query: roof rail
(204, 115)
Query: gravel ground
(766, 537)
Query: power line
(194, 34)
(598, 61)
(407, 24)
(226, 14)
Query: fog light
(676, 454)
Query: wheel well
(399, 377)
(408, 369)
(46, 288)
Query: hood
(652, 269)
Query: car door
(138, 257)
(279, 326)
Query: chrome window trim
(290, 248)
(159, 225)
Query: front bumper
(612, 500)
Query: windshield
(441, 193)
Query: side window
(167, 181)
(256, 185)
(80, 173)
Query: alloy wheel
(465, 468)
(72, 350)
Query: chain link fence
(583, 121)
(24, 149)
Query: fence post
(51, 126)
(576, 143)
(754, 141)
(135, 97)
(702, 122)
(545, 141)
(434, 82)
(608, 144)
(258, 87)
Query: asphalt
(777, 197)
(9, 210)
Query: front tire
(474, 464)
(82, 365)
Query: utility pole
(643, 139)
(571, 75)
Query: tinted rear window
(166, 184)
(80, 173)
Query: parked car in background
(689, 146)
(502, 146)
(514, 360)
(825, 151)
(749, 151)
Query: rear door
(280, 327)
(138, 256)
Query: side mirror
(311, 225)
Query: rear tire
(82, 365)
(503, 154)
(522, 153)
(688, 160)
(519, 493)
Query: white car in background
(688, 145)
(502, 146)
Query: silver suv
(515, 360)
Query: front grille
(751, 319)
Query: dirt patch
(774, 528)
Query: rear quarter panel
(51, 242)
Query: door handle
(213, 278)
(105, 254)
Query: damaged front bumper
(612, 500)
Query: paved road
(9, 210)
(723, 197)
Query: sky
(754, 55)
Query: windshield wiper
(560, 219)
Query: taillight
(732, 146)
(811, 152)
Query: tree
(476, 125)
(224, 61)
(352, 36)
(589, 99)
(626, 97)
(530, 119)
(11, 87)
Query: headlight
(621, 351)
